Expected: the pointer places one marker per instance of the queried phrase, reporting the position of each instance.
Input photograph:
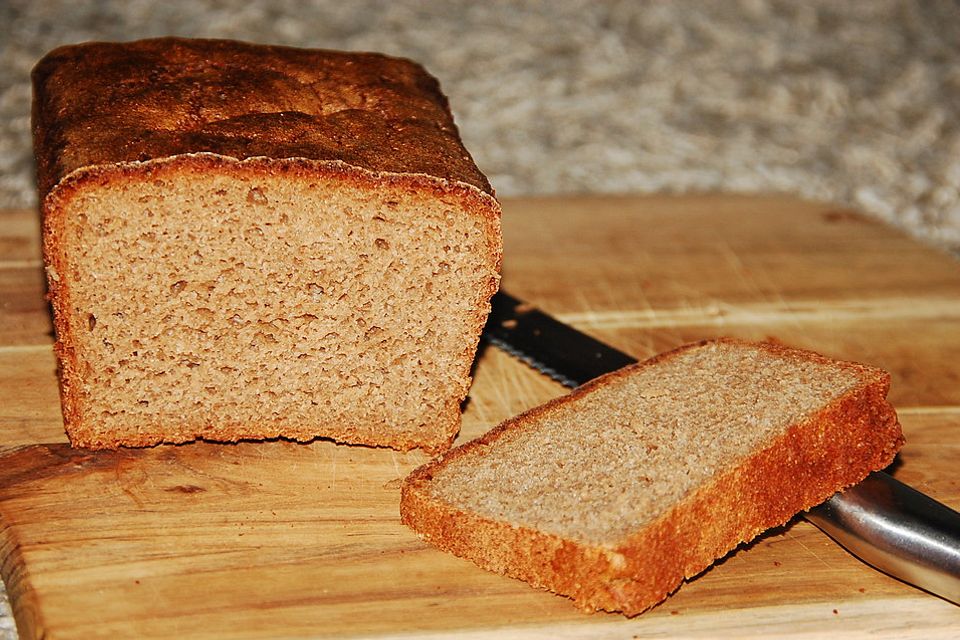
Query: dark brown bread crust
(802, 468)
(100, 103)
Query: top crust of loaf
(101, 104)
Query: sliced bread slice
(617, 492)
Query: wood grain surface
(279, 539)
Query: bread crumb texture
(222, 272)
(616, 493)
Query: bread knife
(882, 521)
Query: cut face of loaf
(615, 494)
(208, 298)
(246, 241)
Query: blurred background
(850, 102)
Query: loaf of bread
(616, 493)
(248, 242)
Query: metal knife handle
(882, 521)
(898, 530)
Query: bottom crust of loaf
(797, 471)
(435, 439)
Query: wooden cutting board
(288, 540)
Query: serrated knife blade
(882, 521)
